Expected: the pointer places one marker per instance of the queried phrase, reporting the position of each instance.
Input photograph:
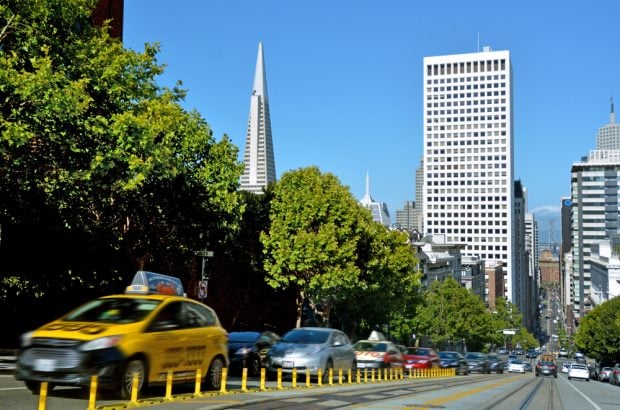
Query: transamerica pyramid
(260, 167)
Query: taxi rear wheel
(131, 367)
(213, 378)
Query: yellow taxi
(151, 329)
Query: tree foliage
(325, 246)
(598, 334)
(102, 171)
(90, 142)
(450, 313)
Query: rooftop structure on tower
(608, 136)
(378, 210)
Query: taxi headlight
(101, 343)
(26, 339)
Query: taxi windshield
(113, 310)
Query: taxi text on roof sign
(150, 282)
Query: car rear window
(305, 336)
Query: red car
(420, 358)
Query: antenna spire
(612, 116)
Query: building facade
(258, 159)
(468, 155)
(406, 217)
(595, 216)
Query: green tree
(598, 334)
(389, 289)
(451, 313)
(101, 170)
(313, 237)
(90, 143)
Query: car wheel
(568, 377)
(328, 365)
(126, 383)
(35, 387)
(213, 378)
(255, 366)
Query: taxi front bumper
(69, 366)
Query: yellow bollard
(319, 377)
(385, 374)
(350, 376)
(197, 383)
(134, 389)
(365, 375)
(391, 373)
(224, 378)
(92, 398)
(168, 386)
(294, 378)
(263, 372)
(340, 376)
(279, 386)
(308, 384)
(42, 396)
(358, 376)
(330, 376)
(244, 379)
(372, 375)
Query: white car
(563, 353)
(516, 366)
(565, 367)
(579, 371)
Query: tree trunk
(300, 305)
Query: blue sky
(344, 79)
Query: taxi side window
(199, 316)
(169, 318)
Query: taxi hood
(84, 330)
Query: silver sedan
(311, 348)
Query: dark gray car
(477, 362)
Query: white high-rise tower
(468, 193)
(260, 167)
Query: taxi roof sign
(145, 282)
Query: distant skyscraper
(419, 197)
(405, 218)
(608, 136)
(468, 155)
(378, 210)
(260, 167)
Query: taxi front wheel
(131, 367)
(213, 378)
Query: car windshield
(417, 351)
(305, 336)
(243, 337)
(448, 355)
(578, 366)
(492, 358)
(474, 356)
(367, 346)
(544, 363)
(113, 310)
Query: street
(503, 391)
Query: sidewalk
(7, 361)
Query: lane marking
(12, 388)
(582, 395)
(459, 395)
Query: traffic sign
(202, 289)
